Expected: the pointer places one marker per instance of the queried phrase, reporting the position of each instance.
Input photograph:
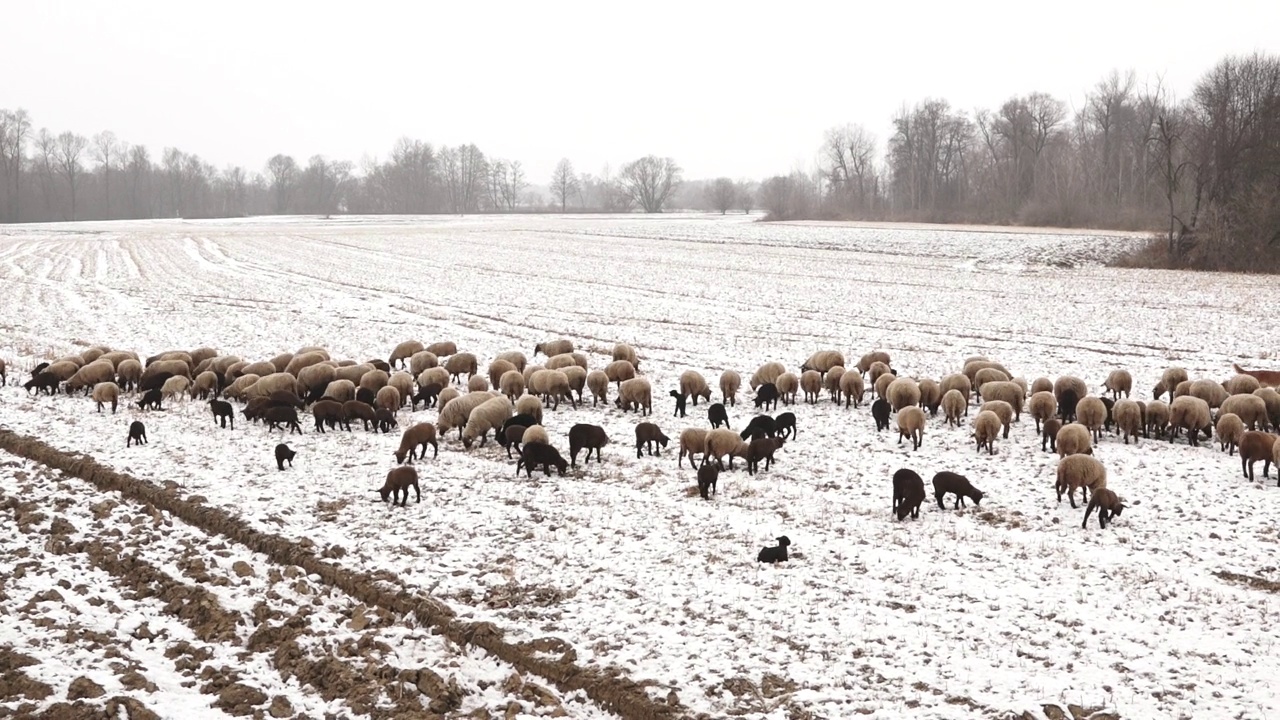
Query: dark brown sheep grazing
(366, 395)
(416, 438)
(45, 382)
(785, 425)
(356, 410)
(150, 399)
(908, 494)
(330, 413)
(283, 455)
(385, 421)
(707, 477)
(762, 449)
(718, 416)
(279, 417)
(1255, 446)
(540, 454)
(137, 433)
(949, 482)
(426, 395)
(284, 398)
(223, 413)
(591, 437)
(1108, 505)
(1050, 435)
(399, 480)
(255, 407)
(511, 437)
(775, 554)
(651, 438)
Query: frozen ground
(970, 613)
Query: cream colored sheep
(954, 406)
(311, 349)
(1157, 417)
(487, 416)
(535, 434)
(1118, 381)
(877, 371)
(577, 379)
(447, 394)
(1006, 391)
(302, 360)
(1092, 413)
(129, 373)
(1128, 417)
(911, 423)
(623, 351)
(971, 370)
(1183, 388)
(902, 393)
(1241, 385)
(831, 382)
(552, 384)
(236, 390)
(960, 383)
(986, 427)
(274, 382)
(1230, 430)
(852, 387)
(455, 413)
(95, 372)
(388, 398)
(403, 383)
(340, 391)
(1251, 409)
(730, 381)
(422, 360)
(374, 380)
(1169, 380)
(436, 375)
(1041, 384)
(173, 367)
(497, 369)
(987, 375)
(477, 382)
(636, 394)
(882, 384)
(767, 373)
(719, 443)
(563, 360)
(315, 377)
(404, 351)
(1021, 382)
(875, 356)
(1073, 439)
(788, 385)
(1210, 392)
(106, 392)
(515, 357)
(175, 386)
(975, 358)
(444, 348)
(461, 363)
(822, 361)
(692, 441)
(511, 384)
(261, 368)
(551, 348)
(620, 371)
(281, 361)
(205, 385)
(1080, 471)
(692, 384)
(598, 383)
(529, 405)
(930, 395)
(1003, 410)
(811, 384)
(1042, 406)
(353, 373)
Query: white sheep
(692, 441)
(987, 375)
(551, 384)
(1080, 471)
(1042, 384)
(261, 368)
(902, 393)
(954, 406)
(340, 391)
(552, 348)
(129, 373)
(986, 427)
(623, 351)
(930, 395)
(446, 394)
(577, 379)
(353, 373)
(693, 384)
(281, 361)
(1006, 391)
(421, 361)
(599, 384)
(175, 386)
(236, 390)
(1092, 413)
(497, 369)
(788, 385)
(529, 405)
(535, 434)
(302, 360)
(403, 382)
(461, 363)
(563, 360)
(487, 416)
(811, 384)
(1042, 406)
(852, 388)
(106, 392)
(960, 383)
(767, 373)
(455, 413)
(730, 381)
(1251, 409)
(911, 423)
(1169, 380)
(877, 371)
(1003, 410)
(1074, 438)
(314, 377)
(515, 357)
(882, 384)
(1128, 417)
(477, 383)
(511, 384)
(375, 380)
(1118, 381)
(1230, 430)
(620, 371)
(436, 375)
(90, 375)
(636, 394)
(275, 382)
(972, 368)
(405, 351)
(205, 385)
(876, 356)
(822, 361)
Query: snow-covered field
(980, 612)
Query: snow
(974, 612)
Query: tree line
(1204, 170)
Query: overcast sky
(731, 88)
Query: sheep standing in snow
(456, 412)
(1041, 384)
(822, 361)
(460, 364)
(1128, 417)
(961, 384)
(1108, 505)
(106, 392)
(717, 416)
(882, 383)
(871, 358)
(511, 384)
(619, 371)
(788, 385)
(555, 385)
(986, 428)
(1169, 381)
(650, 437)
(730, 381)
(497, 369)
(908, 494)
(767, 374)
(1255, 446)
(405, 351)
(589, 437)
(692, 384)
(1050, 434)
(708, 475)
(985, 376)
(1118, 381)
(598, 383)
(284, 454)
(414, 442)
(930, 396)
(911, 423)
(1079, 471)
(487, 416)
(529, 405)
(1074, 439)
(1006, 391)
(954, 406)
(762, 449)
(137, 434)
(1190, 413)
(851, 386)
(1002, 411)
(540, 454)
(1241, 385)
(1251, 409)
(831, 382)
(422, 360)
(223, 413)
(399, 480)
(811, 384)
(766, 396)
(1092, 413)
(720, 443)
(958, 485)
(551, 348)
(902, 393)
(880, 413)
(692, 442)
(623, 351)
(535, 434)
(635, 394)
(1042, 406)
(1230, 431)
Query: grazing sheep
(1073, 384)
(960, 383)
(766, 396)
(150, 399)
(1080, 471)
(223, 413)
(262, 369)
(535, 454)
(529, 405)
(788, 384)
(1042, 406)
(619, 371)
(422, 360)
(1003, 410)
(1169, 380)
(403, 384)
(91, 374)
(930, 396)
(775, 554)
(488, 415)
(428, 395)
(388, 398)
(1190, 413)
(455, 413)
(535, 434)
(649, 437)
(511, 437)
(443, 348)
(279, 417)
(45, 382)
(551, 348)
(404, 351)
(761, 426)
(414, 442)
(511, 384)
(1074, 439)
(880, 412)
(334, 414)
(692, 441)
(1209, 391)
(623, 351)
(106, 392)
(1092, 413)
(1067, 402)
(958, 485)
(1108, 505)
(174, 387)
(269, 384)
(129, 374)
(367, 396)
(317, 377)
(1157, 417)
(852, 388)
(882, 384)
(762, 449)
(577, 379)
(155, 382)
(1128, 417)
(477, 383)
(555, 385)
(708, 475)
(205, 385)
(497, 369)
(65, 369)
(954, 406)
(785, 425)
(399, 480)
(692, 384)
(1006, 391)
(986, 428)
(767, 373)
(635, 394)
(717, 416)
(461, 363)
(1271, 399)
(1255, 446)
(730, 381)
(822, 361)
(1251, 409)
(720, 443)
(1050, 434)
(973, 367)
(876, 356)
(598, 383)
(911, 423)
(284, 454)
(1041, 384)
(987, 375)
(589, 437)
(354, 373)
(902, 393)
(1118, 381)
(137, 434)
(1230, 431)
(1021, 382)
(341, 391)
(304, 360)
(908, 494)
(558, 362)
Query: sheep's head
(1118, 510)
(976, 496)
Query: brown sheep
(551, 348)
(911, 423)
(720, 443)
(1108, 505)
(399, 480)
(443, 348)
(986, 428)
(1074, 439)
(1230, 431)
(1042, 406)
(650, 437)
(1118, 381)
(730, 381)
(1049, 434)
(588, 437)
(1255, 446)
(908, 494)
(356, 410)
(761, 449)
(415, 440)
(331, 413)
(1079, 471)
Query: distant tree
(650, 181)
(746, 196)
(12, 141)
(464, 170)
(721, 194)
(323, 183)
(282, 170)
(46, 148)
(105, 150)
(564, 184)
(173, 161)
(848, 162)
(138, 173)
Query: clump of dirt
(240, 699)
(14, 683)
(83, 687)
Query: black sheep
(760, 426)
(767, 396)
(775, 554)
(680, 403)
(523, 419)
(137, 433)
(650, 437)
(279, 416)
(384, 420)
(880, 411)
(762, 449)
(283, 455)
(949, 482)
(1110, 405)
(39, 369)
(330, 413)
(785, 425)
(150, 398)
(540, 454)
(707, 477)
(510, 437)
(908, 493)
(1108, 505)
(284, 398)
(426, 395)
(379, 365)
(315, 395)
(1067, 405)
(718, 416)
(155, 382)
(43, 382)
(1050, 434)
(591, 437)
(222, 413)
(365, 395)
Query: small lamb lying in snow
(775, 554)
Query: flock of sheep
(509, 399)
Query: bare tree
(463, 171)
(70, 154)
(324, 182)
(564, 184)
(650, 181)
(721, 194)
(848, 158)
(105, 150)
(138, 171)
(746, 196)
(12, 141)
(513, 187)
(283, 172)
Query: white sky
(726, 88)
